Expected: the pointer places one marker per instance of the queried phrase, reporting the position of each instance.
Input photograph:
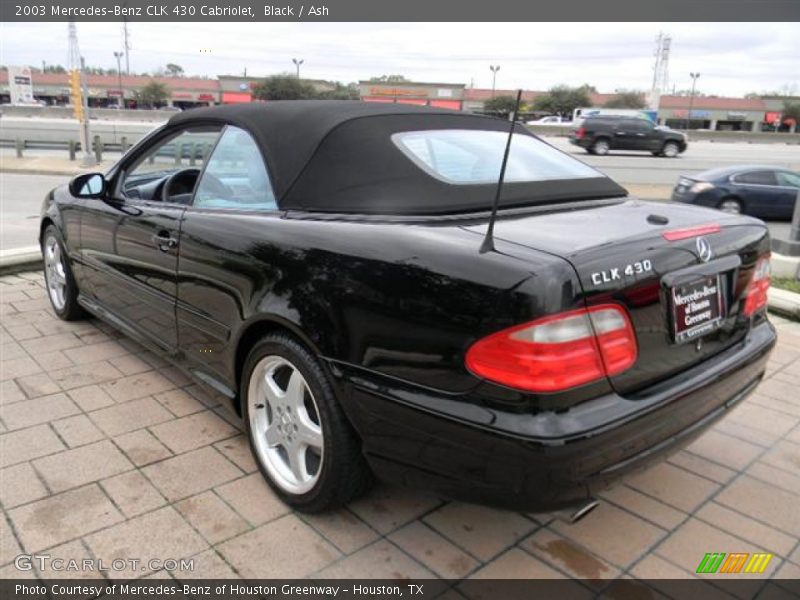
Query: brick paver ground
(108, 452)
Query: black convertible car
(322, 266)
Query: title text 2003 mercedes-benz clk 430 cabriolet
(320, 264)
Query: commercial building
(106, 90)
(707, 112)
(440, 95)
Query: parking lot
(107, 452)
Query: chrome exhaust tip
(573, 515)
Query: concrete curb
(20, 259)
(785, 266)
(784, 302)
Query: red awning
(451, 104)
(236, 97)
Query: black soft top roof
(338, 156)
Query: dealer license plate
(697, 308)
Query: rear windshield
(470, 156)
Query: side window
(640, 125)
(757, 178)
(788, 179)
(235, 176)
(186, 150)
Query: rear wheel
(303, 444)
(670, 150)
(601, 147)
(61, 287)
(730, 205)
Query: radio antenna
(488, 241)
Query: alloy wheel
(285, 424)
(730, 206)
(55, 272)
(601, 147)
(670, 151)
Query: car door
(130, 237)
(760, 191)
(648, 138)
(790, 184)
(226, 260)
(624, 135)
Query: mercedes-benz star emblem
(704, 249)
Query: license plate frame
(688, 304)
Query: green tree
(500, 104)
(173, 70)
(340, 92)
(153, 94)
(791, 110)
(563, 99)
(284, 87)
(627, 99)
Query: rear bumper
(582, 142)
(546, 461)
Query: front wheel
(303, 444)
(62, 290)
(730, 206)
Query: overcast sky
(733, 58)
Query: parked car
(599, 135)
(325, 269)
(551, 121)
(762, 191)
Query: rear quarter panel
(400, 300)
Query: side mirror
(88, 185)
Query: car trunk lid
(684, 297)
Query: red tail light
(673, 235)
(580, 133)
(557, 352)
(756, 292)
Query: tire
(301, 440)
(601, 147)
(670, 150)
(62, 290)
(731, 205)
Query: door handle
(165, 241)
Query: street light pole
(694, 77)
(297, 63)
(86, 133)
(118, 56)
(494, 69)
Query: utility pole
(694, 77)
(494, 69)
(297, 63)
(88, 159)
(127, 45)
(660, 70)
(118, 55)
(79, 94)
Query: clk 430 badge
(616, 274)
